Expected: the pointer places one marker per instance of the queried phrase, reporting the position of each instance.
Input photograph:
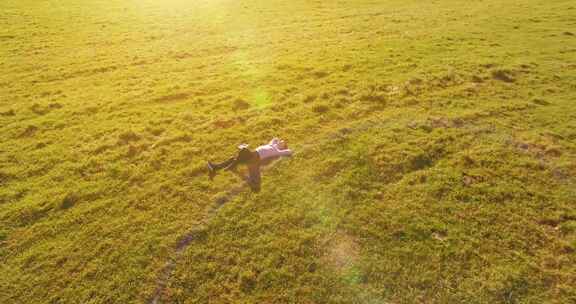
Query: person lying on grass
(252, 159)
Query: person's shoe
(211, 171)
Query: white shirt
(271, 150)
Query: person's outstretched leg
(244, 156)
(214, 167)
(224, 164)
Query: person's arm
(274, 141)
(285, 152)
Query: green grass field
(435, 151)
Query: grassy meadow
(435, 151)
